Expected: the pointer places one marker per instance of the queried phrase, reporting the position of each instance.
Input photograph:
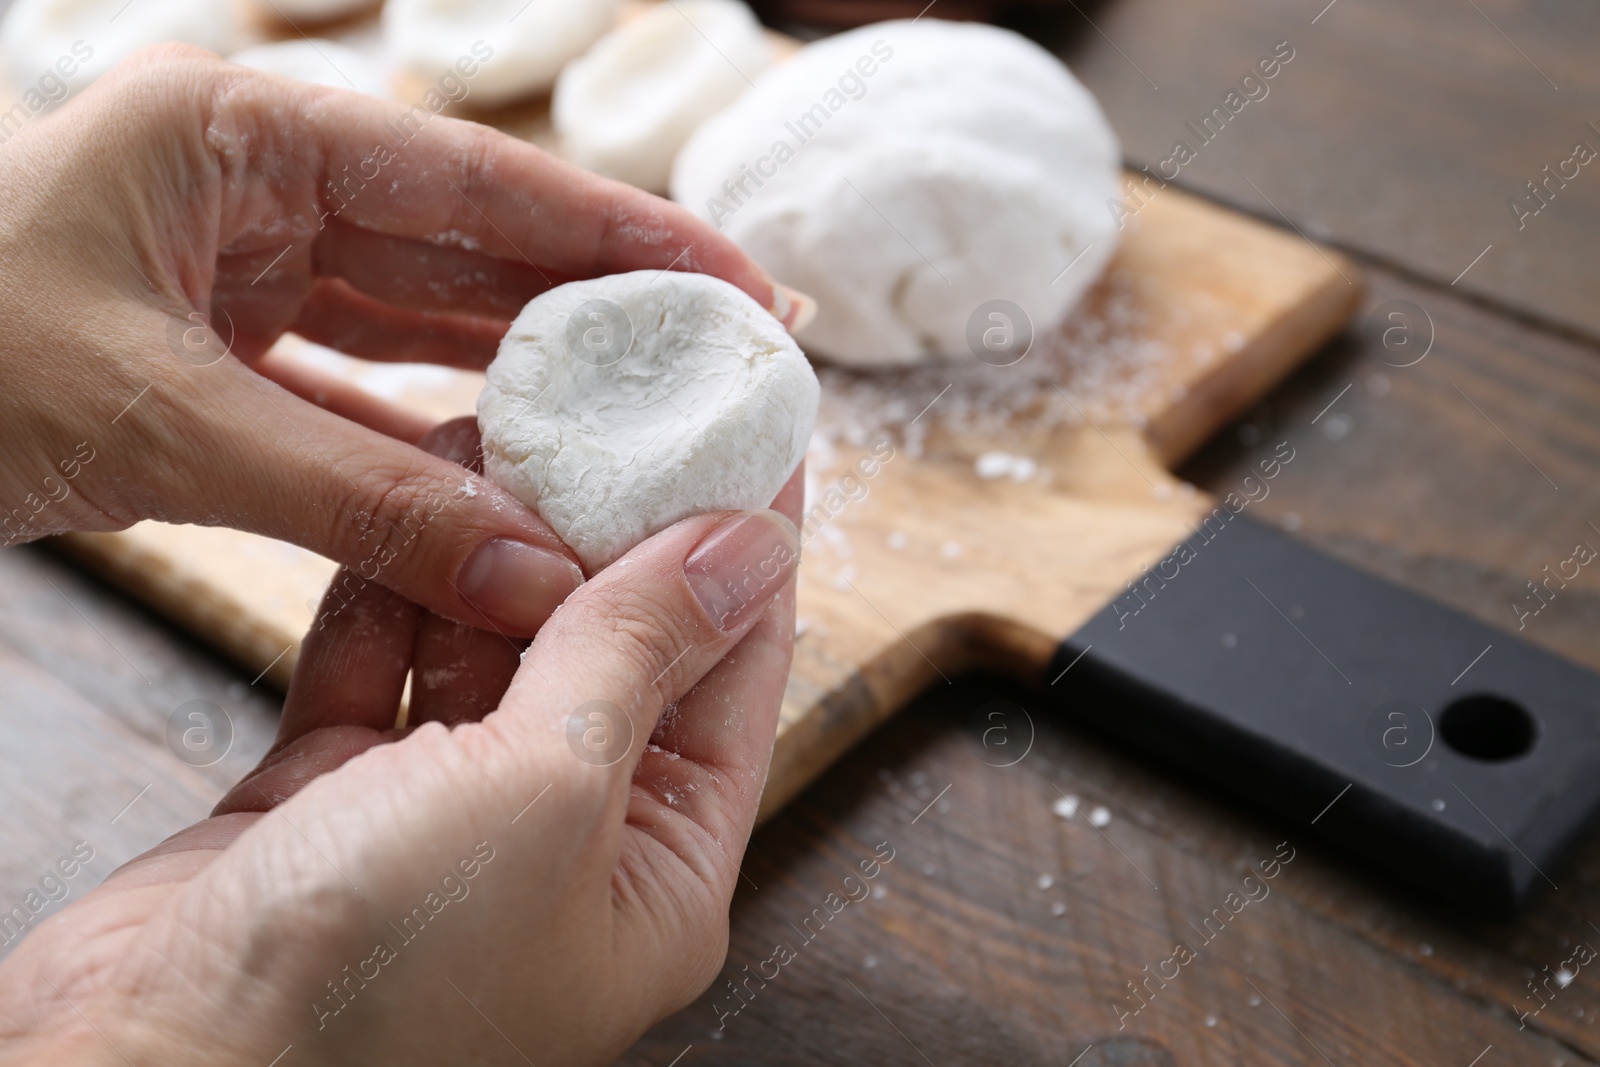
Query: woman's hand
(529, 884)
(161, 231)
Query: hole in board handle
(1488, 728)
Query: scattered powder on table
(992, 465)
(1101, 363)
(837, 540)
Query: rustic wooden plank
(1404, 478)
(120, 658)
(88, 682)
(1003, 932)
(1400, 131)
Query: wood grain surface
(962, 960)
(1401, 131)
(90, 685)
(1005, 933)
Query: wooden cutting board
(989, 535)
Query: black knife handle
(1455, 756)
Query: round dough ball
(318, 61)
(95, 35)
(627, 106)
(531, 40)
(618, 406)
(907, 173)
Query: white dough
(906, 173)
(318, 61)
(618, 406)
(36, 34)
(531, 40)
(627, 106)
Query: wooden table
(1005, 932)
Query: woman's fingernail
(517, 585)
(741, 564)
(792, 307)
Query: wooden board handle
(1329, 697)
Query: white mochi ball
(527, 41)
(318, 61)
(46, 38)
(618, 406)
(627, 106)
(906, 174)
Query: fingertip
(509, 585)
(794, 309)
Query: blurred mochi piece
(625, 108)
(318, 61)
(517, 46)
(42, 40)
(926, 181)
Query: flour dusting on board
(1101, 363)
